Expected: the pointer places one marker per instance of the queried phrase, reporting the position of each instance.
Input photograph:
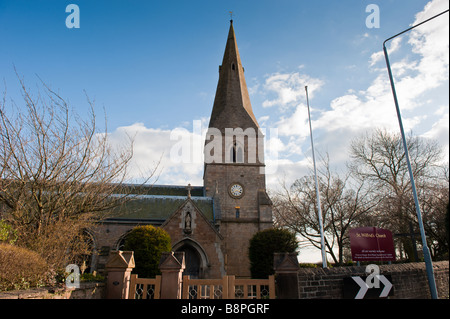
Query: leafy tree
(262, 247)
(148, 243)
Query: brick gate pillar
(286, 275)
(171, 266)
(118, 269)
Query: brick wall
(409, 280)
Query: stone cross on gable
(189, 187)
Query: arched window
(87, 258)
(236, 154)
(233, 67)
(239, 155)
(233, 154)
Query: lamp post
(426, 251)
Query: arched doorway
(194, 257)
(192, 260)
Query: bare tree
(344, 203)
(379, 159)
(58, 174)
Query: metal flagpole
(319, 210)
(426, 251)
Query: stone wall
(88, 290)
(409, 280)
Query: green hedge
(262, 247)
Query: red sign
(371, 244)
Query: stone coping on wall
(409, 280)
(414, 266)
(87, 290)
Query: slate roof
(171, 190)
(154, 204)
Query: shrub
(262, 247)
(7, 233)
(21, 268)
(88, 277)
(148, 243)
(308, 265)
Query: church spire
(232, 99)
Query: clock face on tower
(236, 190)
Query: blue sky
(153, 66)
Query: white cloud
(287, 172)
(262, 120)
(295, 123)
(289, 89)
(379, 56)
(430, 40)
(374, 106)
(439, 132)
(151, 146)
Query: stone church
(212, 223)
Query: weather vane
(231, 14)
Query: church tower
(234, 164)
